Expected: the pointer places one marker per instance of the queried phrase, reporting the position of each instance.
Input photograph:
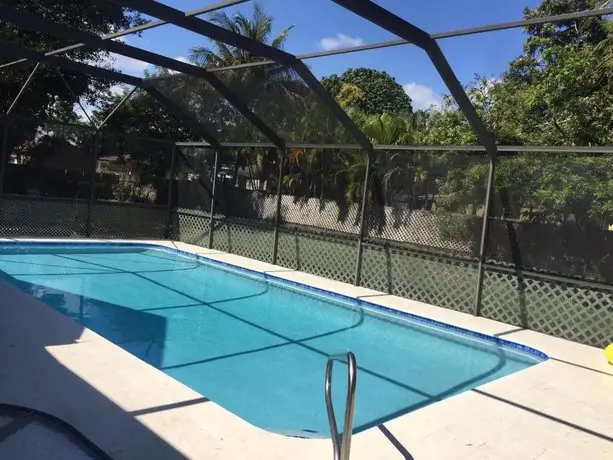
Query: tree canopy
(47, 95)
(550, 95)
(257, 27)
(370, 91)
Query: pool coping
(407, 427)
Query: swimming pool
(255, 344)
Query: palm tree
(604, 49)
(269, 90)
(258, 27)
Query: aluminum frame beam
(13, 50)
(22, 89)
(214, 32)
(436, 36)
(387, 20)
(206, 29)
(502, 149)
(407, 31)
(72, 93)
(133, 30)
(118, 106)
(68, 64)
(37, 23)
(522, 23)
(185, 117)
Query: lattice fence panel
(413, 203)
(190, 227)
(116, 220)
(321, 255)
(337, 216)
(425, 278)
(561, 309)
(246, 239)
(418, 227)
(43, 217)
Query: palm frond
(222, 19)
(279, 40)
(261, 23)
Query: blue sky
(321, 24)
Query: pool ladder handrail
(342, 445)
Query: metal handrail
(341, 446)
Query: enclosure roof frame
(368, 10)
(37, 23)
(257, 48)
(133, 30)
(19, 52)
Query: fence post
(92, 190)
(275, 247)
(213, 197)
(358, 261)
(171, 176)
(485, 226)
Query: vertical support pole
(171, 177)
(92, 189)
(213, 198)
(4, 153)
(485, 226)
(275, 247)
(358, 260)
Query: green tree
(257, 27)
(605, 50)
(380, 93)
(551, 95)
(559, 98)
(47, 97)
(46, 94)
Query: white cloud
(340, 41)
(422, 97)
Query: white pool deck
(560, 409)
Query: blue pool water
(256, 346)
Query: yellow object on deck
(608, 352)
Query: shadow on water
(454, 389)
(138, 332)
(33, 377)
(151, 330)
(289, 341)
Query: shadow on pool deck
(406, 455)
(32, 377)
